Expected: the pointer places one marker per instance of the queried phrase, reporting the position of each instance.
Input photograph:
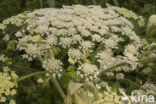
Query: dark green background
(12, 7)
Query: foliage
(13, 7)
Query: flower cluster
(7, 85)
(88, 70)
(128, 14)
(90, 37)
(3, 58)
(53, 66)
(109, 97)
(148, 89)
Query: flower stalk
(111, 68)
(55, 82)
(58, 87)
(31, 75)
(137, 85)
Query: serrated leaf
(73, 87)
(78, 99)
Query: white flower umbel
(51, 40)
(53, 66)
(3, 58)
(88, 71)
(88, 29)
(109, 97)
(74, 55)
(120, 76)
(97, 38)
(129, 14)
(8, 83)
(86, 45)
(32, 49)
(131, 52)
(65, 42)
(104, 55)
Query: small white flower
(97, 38)
(89, 71)
(110, 43)
(85, 32)
(131, 49)
(65, 42)
(53, 66)
(104, 55)
(86, 45)
(120, 76)
(3, 58)
(6, 38)
(76, 38)
(18, 34)
(31, 49)
(110, 74)
(131, 56)
(51, 40)
(75, 55)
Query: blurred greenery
(12, 7)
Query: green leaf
(79, 100)
(115, 86)
(73, 87)
(147, 8)
(51, 3)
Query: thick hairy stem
(44, 72)
(63, 54)
(137, 85)
(93, 59)
(31, 75)
(123, 64)
(58, 87)
(111, 68)
(147, 59)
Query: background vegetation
(12, 7)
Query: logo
(138, 98)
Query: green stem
(51, 3)
(41, 3)
(63, 54)
(123, 64)
(147, 59)
(58, 87)
(27, 68)
(116, 3)
(111, 68)
(40, 58)
(96, 51)
(69, 77)
(137, 85)
(31, 75)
